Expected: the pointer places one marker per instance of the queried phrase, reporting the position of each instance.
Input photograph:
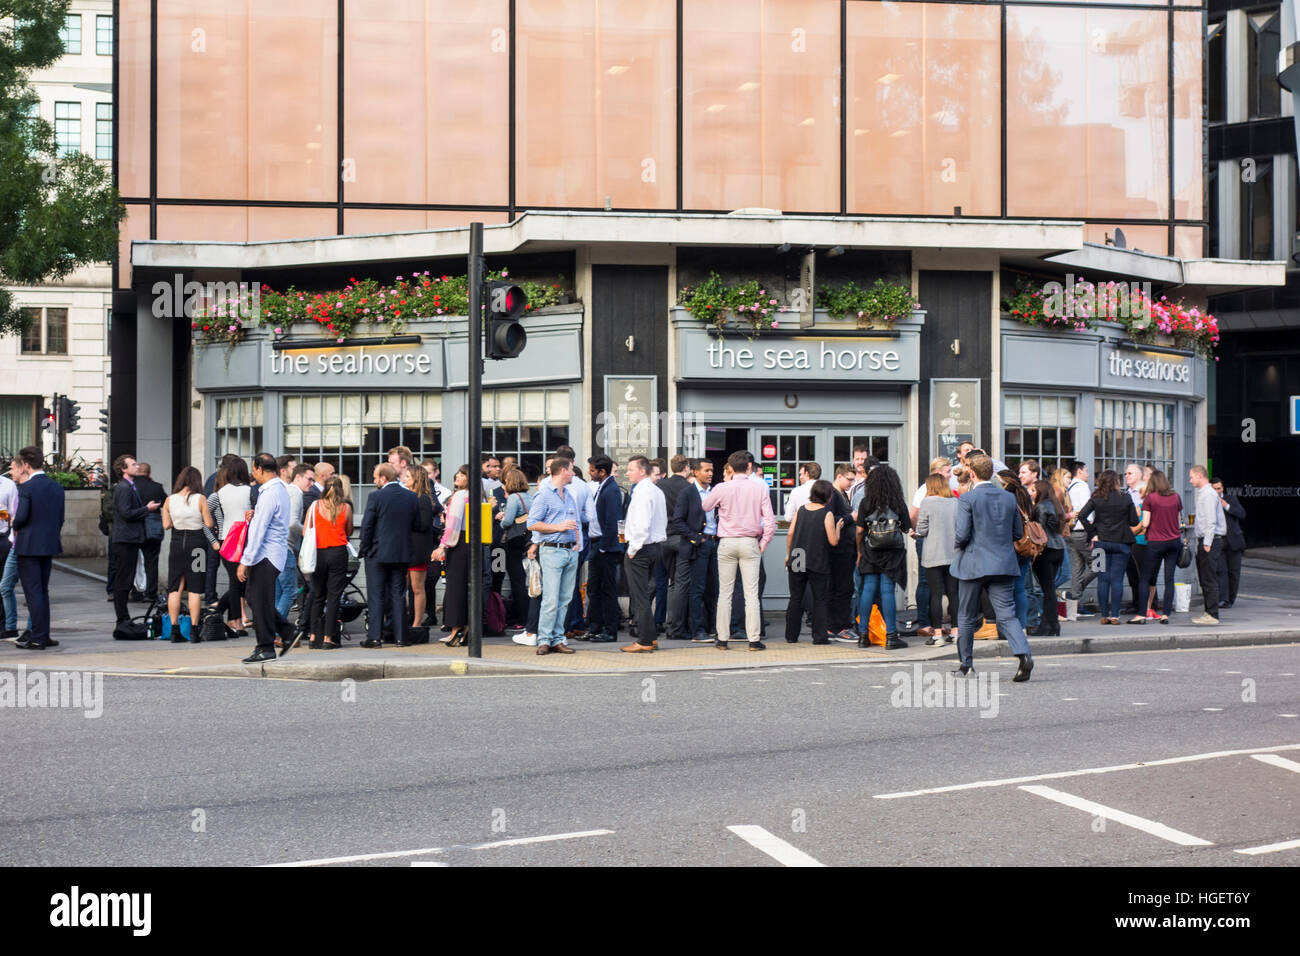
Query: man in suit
(1234, 545)
(685, 529)
(129, 512)
(603, 612)
(988, 523)
(37, 521)
(391, 516)
(149, 491)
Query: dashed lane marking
(1270, 848)
(397, 854)
(784, 853)
(1274, 760)
(1118, 816)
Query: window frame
(100, 20)
(1048, 462)
(104, 132)
(61, 148)
(66, 34)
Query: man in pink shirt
(745, 527)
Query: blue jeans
(1110, 583)
(7, 584)
(922, 589)
(704, 588)
(1022, 593)
(1063, 575)
(559, 570)
(286, 585)
(877, 588)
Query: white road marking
(784, 853)
(1062, 774)
(1212, 710)
(428, 863)
(1286, 674)
(1276, 761)
(817, 683)
(1232, 672)
(1164, 668)
(396, 854)
(1119, 816)
(1289, 715)
(1140, 703)
(1069, 698)
(1270, 848)
(1110, 667)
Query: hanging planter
(747, 308)
(877, 307)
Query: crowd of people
(992, 546)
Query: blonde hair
(937, 485)
(1061, 481)
(938, 464)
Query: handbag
(534, 569)
(307, 549)
(517, 529)
(1185, 555)
(1033, 540)
(232, 549)
(884, 531)
(141, 579)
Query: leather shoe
(260, 655)
(964, 670)
(601, 638)
(894, 643)
(543, 649)
(404, 644)
(720, 645)
(637, 648)
(30, 645)
(372, 644)
(1026, 667)
(562, 648)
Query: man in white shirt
(1210, 527)
(8, 560)
(645, 528)
(1081, 572)
(808, 473)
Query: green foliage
(56, 212)
(747, 306)
(68, 479)
(884, 303)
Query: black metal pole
(475, 425)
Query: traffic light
(69, 411)
(506, 304)
(103, 420)
(47, 420)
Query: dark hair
(644, 462)
(1158, 484)
(739, 461)
(119, 463)
(882, 490)
(601, 463)
(677, 463)
(264, 462)
(486, 457)
(871, 462)
(32, 456)
(660, 464)
(234, 472)
(282, 461)
(1076, 466)
(814, 470)
(514, 481)
(1012, 484)
(1107, 483)
(559, 464)
(566, 451)
(1045, 491)
(980, 465)
(302, 470)
(821, 491)
(1033, 465)
(189, 481)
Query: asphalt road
(195, 771)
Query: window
(1132, 431)
(778, 459)
(103, 130)
(48, 326)
(1256, 233)
(353, 431)
(1040, 427)
(108, 331)
(17, 423)
(104, 35)
(238, 429)
(875, 444)
(528, 424)
(1264, 94)
(67, 128)
(71, 33)
(1217, 71)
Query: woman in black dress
(427, 511)
(454, 555)
(813, 532)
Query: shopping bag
(1182, 597)
(875, 627)
(232, 549)
(141, 579)
(307, 549)
(534, 569)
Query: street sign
(1295, 414)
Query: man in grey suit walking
(988, 523)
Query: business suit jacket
(129, 513)
(609, 512)
(672, 487)
(687, 515)
(988, 523)
(1235, 515)
(310, 497)
(392, 513)
(38, 518)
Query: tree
(56, 212)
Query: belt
(713, 537)
(558, 544)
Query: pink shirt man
(744, 509)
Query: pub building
(626, 368)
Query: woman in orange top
(332, 516)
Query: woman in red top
(1161, 520)
(332, 517)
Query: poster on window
(955, 414)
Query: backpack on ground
(213, 628)
(884, 531)
(1030, 544)
(494, 615)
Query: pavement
(1184, 758)
(1267, 612)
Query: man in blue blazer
(392, 513)
(603, 612)
(37, 523)
(988, 524)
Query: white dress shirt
(8, 501)
(1078, 493)
(647, 517)
(798, 498)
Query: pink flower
(279, 331)
(771, 301)
(774, 323)
(339, 339)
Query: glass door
(779, 455)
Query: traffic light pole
(474, 517)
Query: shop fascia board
(1210, 276)
(537, 231)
